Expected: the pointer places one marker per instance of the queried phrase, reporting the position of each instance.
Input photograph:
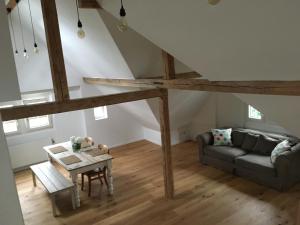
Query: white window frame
(30, 99)
(18, 131)
(42, 98)
(254, 119)
(103, 116)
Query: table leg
(53, 205)
(49, 158)
(76, 189)
(33, 178)
(110, 178)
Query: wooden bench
(53, 181)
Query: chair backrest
(104, 148)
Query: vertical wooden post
(166, 144)
(169, 67)
(56, 58)
(169, 73)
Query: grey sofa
(240, 159)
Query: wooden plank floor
(204, 195)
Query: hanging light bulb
(13, 31)
(35, 46)
(25, 54)
(80, 32)
(123, 25)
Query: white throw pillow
(222, 136)
(281, 147)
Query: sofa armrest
(204, 140)
(288, 166)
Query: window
(100, 113)
(30, 124)
(11, 126)
(37, 122)
(254, 113)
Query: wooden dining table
(87, 163)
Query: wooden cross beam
(20, 112)
(89, 4)
(179, 76)
(290, 88)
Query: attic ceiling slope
(145, 61)
(234, 40)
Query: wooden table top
(86, 159)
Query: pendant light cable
(13, 31)
(77, 8)
(33, 33)
(22, 33)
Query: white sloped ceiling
(234, 40)
(144, 60)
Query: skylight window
(254, 113)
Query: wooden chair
(96, 174)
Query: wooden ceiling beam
(20, 112)
(89, 4)
(290, 88)
(56, 57)
(185, 75)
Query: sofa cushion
(259, 164)
(249, 142)
(225, 153)
(237, 138)
(265, 145)
(222, 136)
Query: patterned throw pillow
(281, 147)
(222, 136)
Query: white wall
(206, 117)
(232, 112)
(119, 128)
(9, 85)
(10, 210)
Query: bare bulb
(81, 33)
(213, 2)
(17, 52)
(35, 49)
(123, 25)
(25, 54)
